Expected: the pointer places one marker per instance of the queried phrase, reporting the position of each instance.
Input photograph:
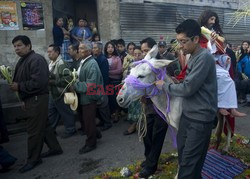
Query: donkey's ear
(152, 53)
(160, 63)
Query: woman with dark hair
(115, 76)
(243, 67)
(243, 49)
(96, 38)
(61, 37)
(128, 58)
(131, 48)
(81, 32)
(135, 108)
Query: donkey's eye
(140, 76)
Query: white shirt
(81, 63)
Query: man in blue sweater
(199, 92)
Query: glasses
(184, 41)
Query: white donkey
(140, 82)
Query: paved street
(113, 150)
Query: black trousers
(153, 141)
(192, 141)
(88, 119)
(103, 112)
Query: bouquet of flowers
(6, 73)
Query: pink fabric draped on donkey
(140, 83)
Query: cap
(162, 43)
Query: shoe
(82, 132)
(100, 124)
(104, 128)
(67, 135)
(116, 120)
(143, 164)
(145, 173)
(126, 132)
(86, 149)
(27, 167)
(98, 134)
(6, 166)
(51, 153)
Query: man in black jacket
(103, 112)
(156, 126)
(31, 82)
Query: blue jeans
(59, 110)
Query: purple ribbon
(137, 84)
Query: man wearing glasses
(199, 92)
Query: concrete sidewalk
(113, 150)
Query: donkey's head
(141, 80)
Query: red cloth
(203, 42)
(182, 74)
(231, 121)
(220, 49)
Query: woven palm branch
(241, 13)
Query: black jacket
(32, 75)
(104, 67)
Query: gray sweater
(199, 88)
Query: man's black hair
(120, 42)
(189, 27)
(56, 48)
(24, 39)
(75, 46)
(151, 42)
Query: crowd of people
(206, 73)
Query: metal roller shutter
(140, 20)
